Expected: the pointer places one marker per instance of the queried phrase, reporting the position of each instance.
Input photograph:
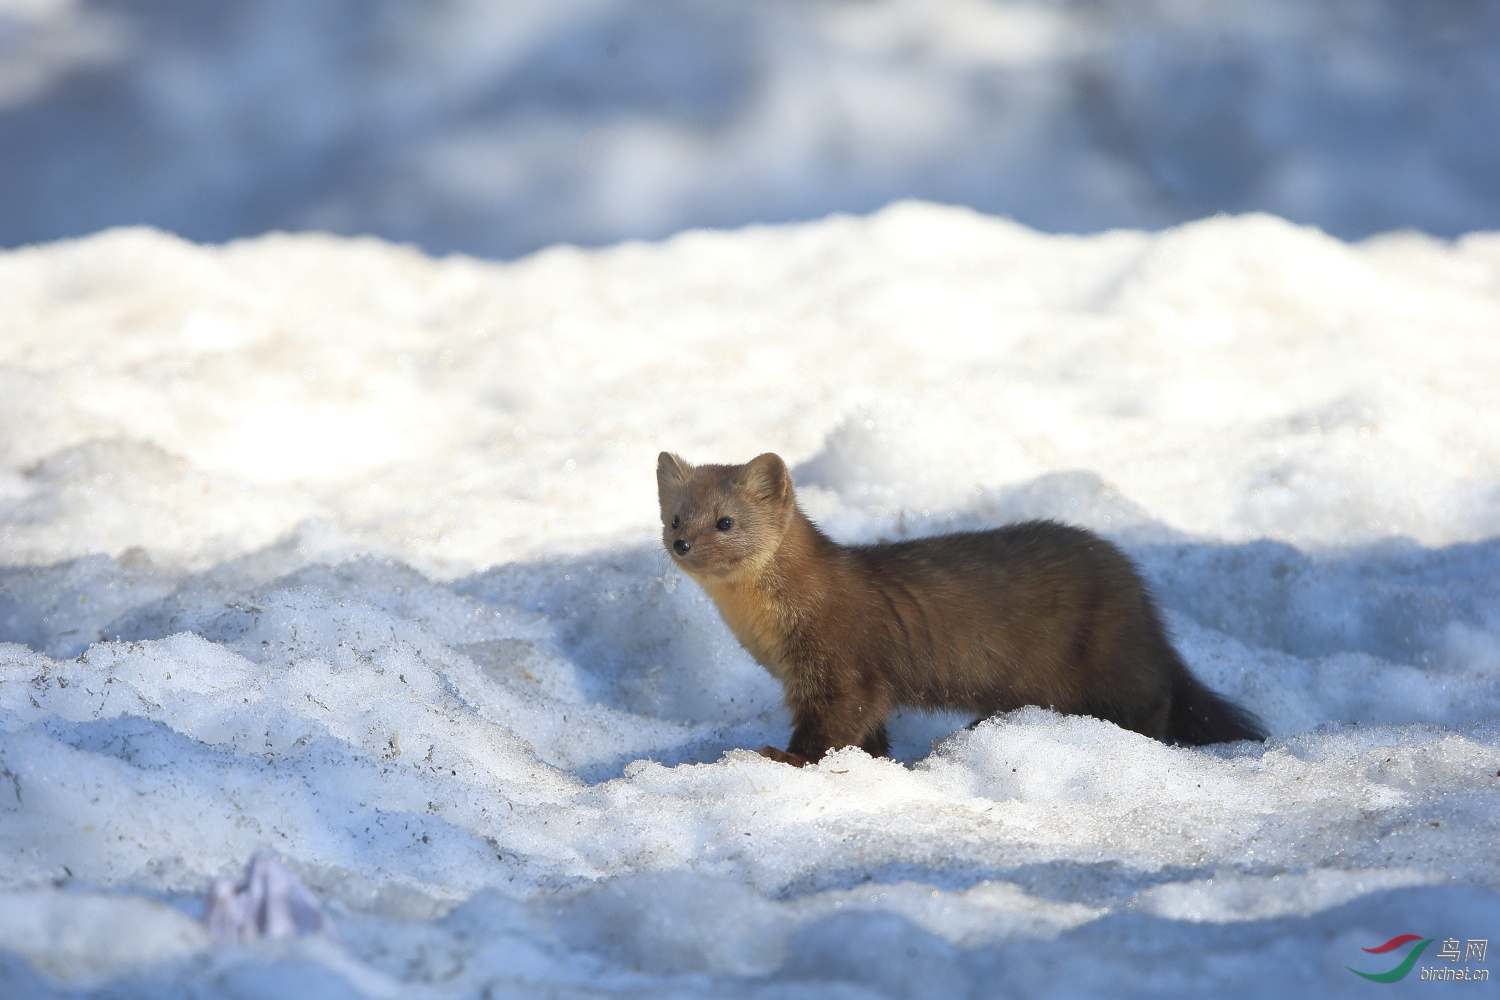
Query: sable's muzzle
(682, 546)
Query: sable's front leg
(808, 745)
(849, 722)
(811, 742)
(783, 756)
(876, 744)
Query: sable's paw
(783, 756)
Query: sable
(1038, 613)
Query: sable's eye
(724, 524)
(674, 524)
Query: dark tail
(1200, 716)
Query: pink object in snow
(270, 903)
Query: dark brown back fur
(1038, 613)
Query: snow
(329, 549)
(499, 128)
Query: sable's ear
(672, 474)
(766, 478)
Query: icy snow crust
(330, 549)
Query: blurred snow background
(342, 551)
(497, 128)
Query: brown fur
(1029, 614)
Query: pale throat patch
(749, 616)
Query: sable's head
(719, 520)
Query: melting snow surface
(327, 549)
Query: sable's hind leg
(1156, 722)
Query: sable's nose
(682, 546)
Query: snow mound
(332, 551)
